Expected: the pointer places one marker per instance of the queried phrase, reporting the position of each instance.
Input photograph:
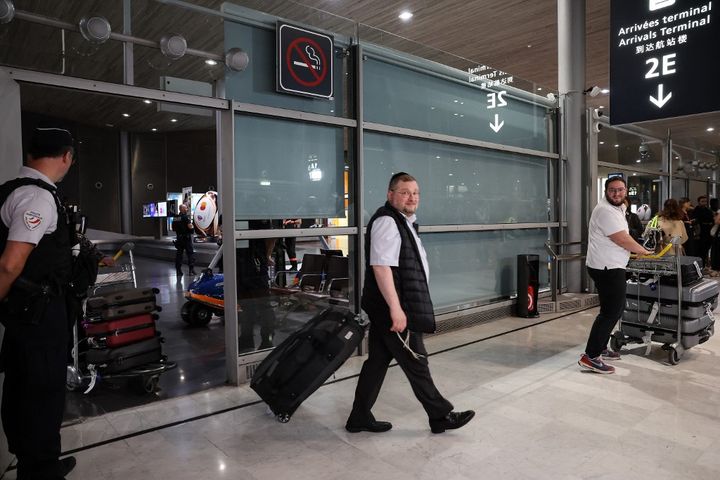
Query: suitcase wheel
(673, 357)
(282, 417)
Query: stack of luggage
(651, 306)
(120, 330)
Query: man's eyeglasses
(405, 193)
(616, 190)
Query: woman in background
(671, 223)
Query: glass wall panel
(256, 84)
(288, 169)
(399, 96)
(479, 267)
(629, 150)
(643, 188)
(679, 188)
(697, 188)
(459, 185)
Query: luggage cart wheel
(200, 315)
(617, 341)
(282, 417)
(673, 356)
(145, 384)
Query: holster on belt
(26, 302)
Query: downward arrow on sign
(497, 126)
(660, 100)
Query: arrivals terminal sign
(664, 59)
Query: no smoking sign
(304, 61)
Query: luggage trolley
(652, 314)
(88, 376)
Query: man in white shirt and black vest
(609, 249)
(396, 297)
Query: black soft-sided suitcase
(690, 271)
(111, 360)
(123, 297)
(301, 364)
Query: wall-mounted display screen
(161, 209)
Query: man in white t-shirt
(609, 249)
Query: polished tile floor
(538, 416)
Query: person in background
(691, 244)
(714, 269)
(609, 249)
(671, 223)
(184, 242)
(704, 220)
(291, 241)
(635, 226)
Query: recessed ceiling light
(154, 129)
(405, 15)
(126, 115)
(173, 120)
(605, 91)
(710, 129)
(634, 174)
(529, 45)
(601, 106)
(147, 101)
(638, 161)
(616, 145)
(450, 174)
(437, 156)
(211, 62)
(602, 143)
(539, 89)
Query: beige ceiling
(516, 36)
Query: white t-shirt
(385, 243)
(606, 219)
(29, 211)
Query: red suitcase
(125, 331)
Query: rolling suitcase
(668, 322)
(301, 364)
(111, 360)
(667, 307)
(108, 313)
(123, 297)
(116, 333)
(697, 292)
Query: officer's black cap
(50, 142)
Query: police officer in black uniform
(35, 270)
(183, 243)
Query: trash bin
(528, 270)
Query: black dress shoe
(374, 426)
(66, 465)
(451, 421)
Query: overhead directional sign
(663, 59)
(304, 62)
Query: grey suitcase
(668, 322)
(667, 307)
(668, 337)
(695, 293)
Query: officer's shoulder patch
(32, 219)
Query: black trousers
(610, 285)
(184, 244)
(33, 400)
(384, 346)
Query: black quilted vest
(409, 277)
(50, 262)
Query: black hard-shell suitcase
(111, 360)
(668, 322)
(109, 313)
(301, 364)
(123, 297)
